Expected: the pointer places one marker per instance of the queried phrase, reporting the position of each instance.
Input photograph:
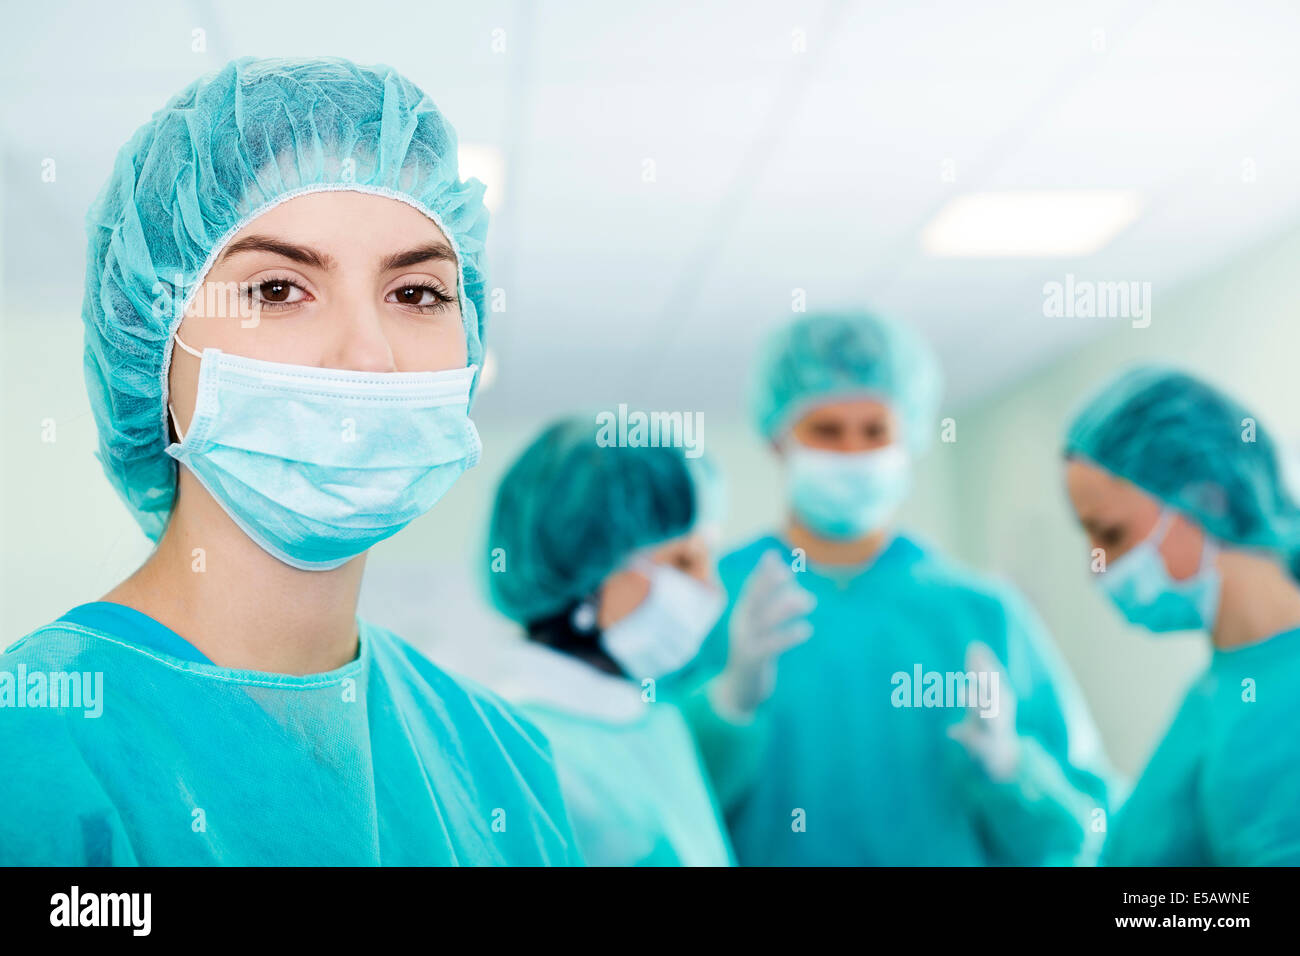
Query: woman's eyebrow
(303, 254)
(434, 251)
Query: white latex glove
(991, 740)
(769, 618)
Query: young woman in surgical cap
(283, 311)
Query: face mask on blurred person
(1150, 597)
(845, 495)
(665, 631)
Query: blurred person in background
(1180, 490)
(858, 757)
(299, 230)
(605, 555)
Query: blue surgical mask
(315, 464)
(1148, 596)
(665, 631)
(845, 495)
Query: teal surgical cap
(835, 356)
(1196, 450)
(570, 511)
(223, 151)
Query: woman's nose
(359, 342)
(852, 443)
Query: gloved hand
(992, 741)
(769, 618)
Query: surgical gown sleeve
(1223, 786)
(71, 821)
(1252, 792)
(635, 788)
(1054, 806)
(1250, 773)
(732, 748)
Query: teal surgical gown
(1223, 786)
(636, 790)
(175, 761)
(832, 772)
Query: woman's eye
(275, 292)
(423, 297)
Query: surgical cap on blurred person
(840, 356)
(570, 511)
(222, 152)
(1195, 449)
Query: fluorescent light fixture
(1030, 223)
(487, 164)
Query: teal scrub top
(156, 756)
(1223, 786)
(833, 773)
(632, 778)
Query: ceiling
(794, 146)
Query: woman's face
(852, 426)
(1117, 515)
(623, 591)
(341, 280)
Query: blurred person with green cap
(1180, 490)
(855, 757)
(604, 554)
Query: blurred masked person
(928, 719)
(1180, 491)
(603, 554)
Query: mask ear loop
(1209, 548)
(1209, 551)
(1158, 533)
(640, 562)
(180, 436)
(643, 564)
